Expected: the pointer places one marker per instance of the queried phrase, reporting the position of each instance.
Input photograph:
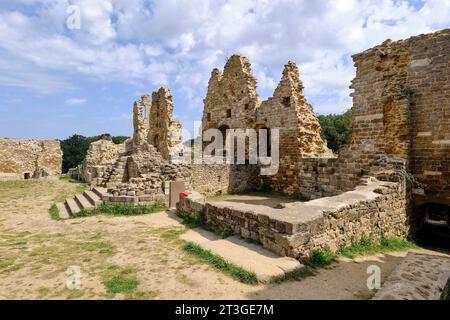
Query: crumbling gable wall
(298, 126)
(231, 100)
(26, 159)
(233, 103)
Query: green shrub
(367, 246)
(54, 212)
(321, 258)
(299, 197)
(193, 221)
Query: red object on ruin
(184, 194)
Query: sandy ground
(35, 252)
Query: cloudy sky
(57, 79)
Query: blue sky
(56, 81)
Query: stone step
(83, 202)
(249, 256)
(101, 192)
(93, 198)
(63, 214)
(72, 206)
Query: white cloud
(177, 43)
(75, 101)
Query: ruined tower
(164, 133)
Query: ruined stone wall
(295, 229)
(101, 155)
(164, 133)
(401, 108)
(232, 103)
(26, 159)
(299, 130)
(223, 178)
(401, 113)
(231, 99)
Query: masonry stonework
(29, 159)
(233, 103)
(400, 138)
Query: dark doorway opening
(27, 175)
(224, 132)
(434, 227)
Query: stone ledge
(250, 257)
(295, 229)
(418, 277)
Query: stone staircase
(115, 176)
(88, 200)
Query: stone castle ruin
(395, 166)
(139, 170)
(29, 159)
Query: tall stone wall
(401, 121)
(27, 159)
(164, 133)
(401, 108)
(299, 130)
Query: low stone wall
(223, 178)
(27, 159)
(418, 277)
(373, 208)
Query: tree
(75, 148)
(336, 129)
(119, 139)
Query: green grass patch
(122, 210)
(317, 259)
(81, 189)
(74, 294)
(172, 234)
(54, 212)
(367, 246)
(226, 234)
(193, 221)
(299, 197)
(43, 292)
(297, 275)
(120, 281)
(321, 258)
(72, 179)
(101, 247)
(17, 184)
(221, 264)
(9, 265)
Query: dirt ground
(36, 251)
